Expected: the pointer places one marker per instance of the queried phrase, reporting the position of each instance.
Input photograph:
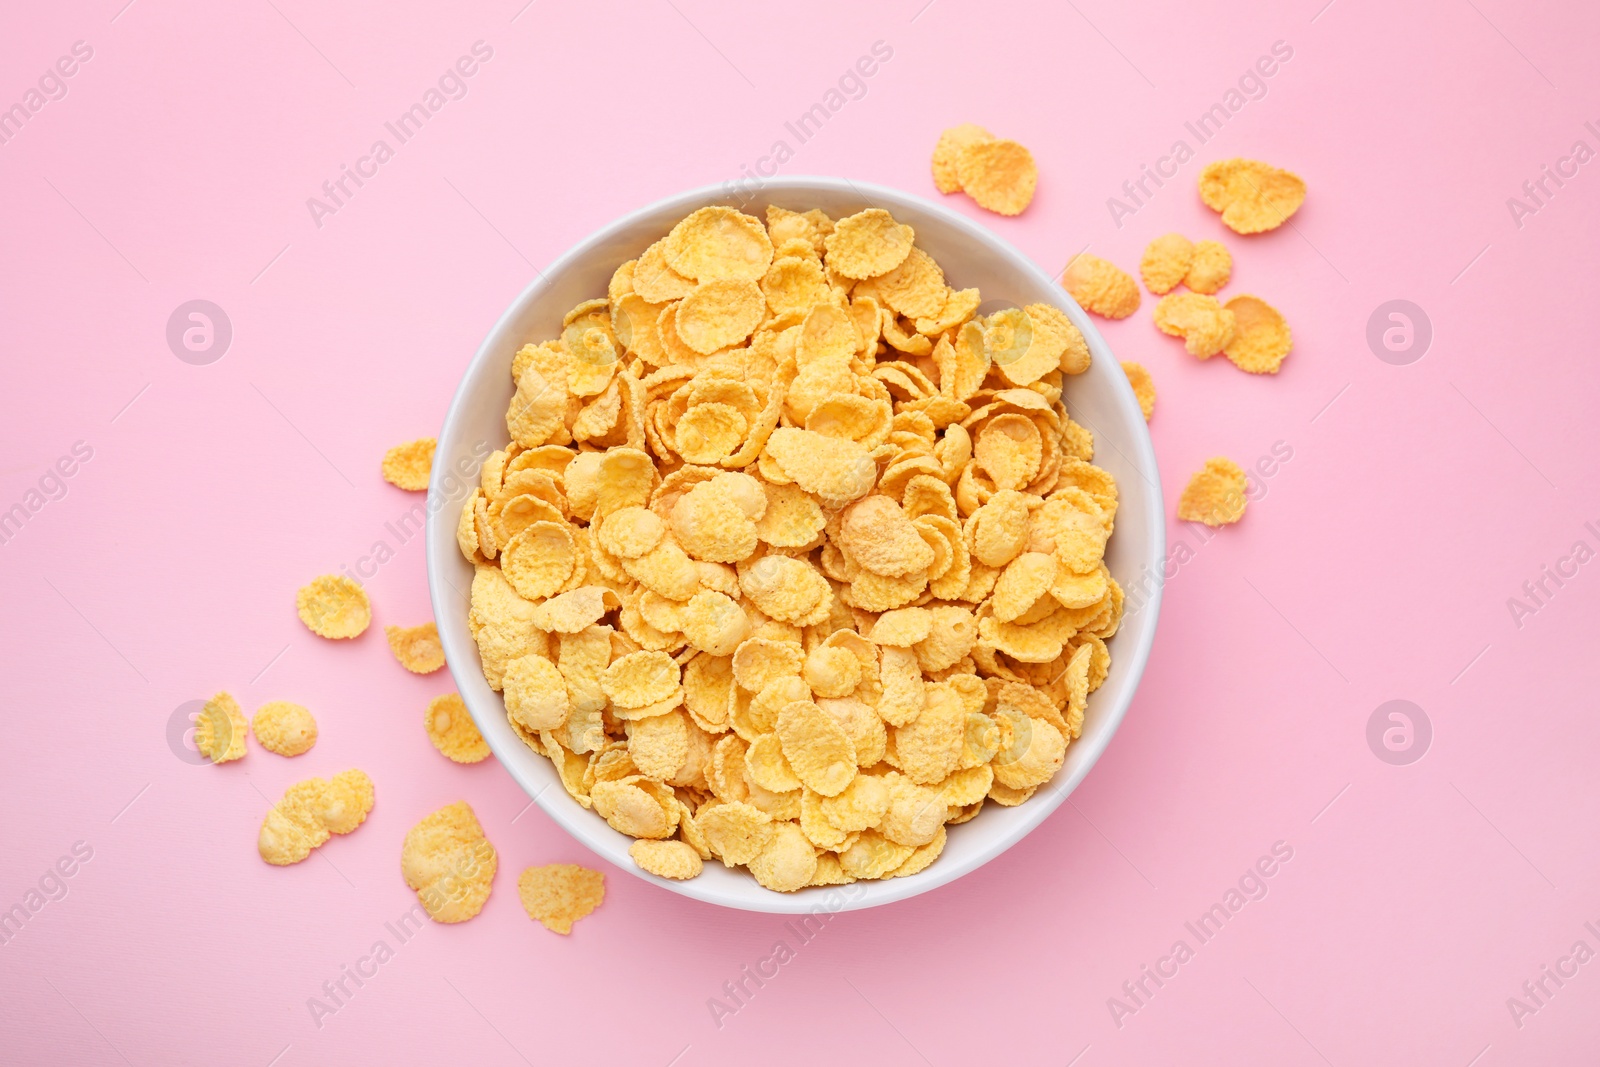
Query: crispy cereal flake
(1215, 495)
(999, 175)
(407, 465)
(453, 732)
(1144, 387)
(416, 647)
(333, 606)
(450, 864)
(1252, 196)
(1261, 336)
(1100, 286)
(285, 728)
(220, 729)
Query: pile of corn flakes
(793, 559)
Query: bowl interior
(1100, 399)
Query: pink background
(1376, 567)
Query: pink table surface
(1376, 564)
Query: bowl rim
(581, 824)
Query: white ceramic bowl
(1100, 399)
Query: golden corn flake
(1166, 262)
(1101, 287)
(947, 153)
(407, 465)
(416, 647)
(310, 812)
(817, 747)
(999, 175)
(333, 606)
(778, 515)
(1261, 336)
(1144, 387)
(1215, 495)
(450, 864)
(1205, 325)
(559, 894)
(1252, 196)
(867, 244)
(281, 727)
(1210, 268)
(719, 243)
(665, 859)
(720, 313)
(220, 729)
(453, 732)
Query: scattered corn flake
(1215, 495)
(1252, 196)
(220, 729)
(946, 154)
(416, 647)
(1100, 286)
(665, 859)
(450, 864)
(310, 812)
(559, 894)
(452, 730)
(1210, 269)
(1144, 387)
(999, 175)
(1166, 262)
(282, 727)
(407, 465)
(333, 606)
(1205, 325)
(1261, 336)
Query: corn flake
(453, 732)
(559, 894)
(1252, 196)
(1101, 287)
(1144, 387)
(1210, 269)
(999, 175)
(407, 465)
(334, 606)
(1205, 325)
(281, 727)
(220, 729)
(1215, 495)
(665, 859)
(1261, 336)
(417, 648)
